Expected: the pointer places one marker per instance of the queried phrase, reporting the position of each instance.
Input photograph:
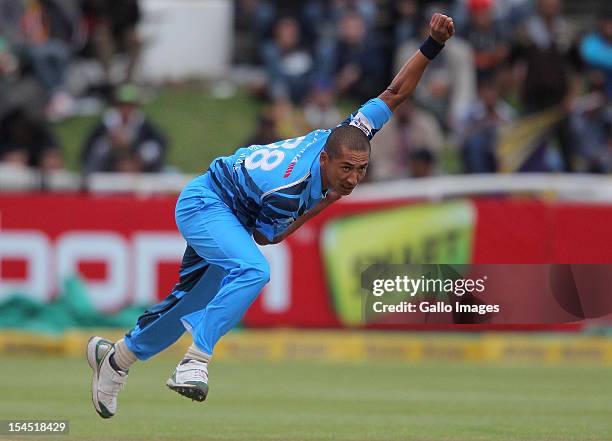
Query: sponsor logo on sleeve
(362, 123)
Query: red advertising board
(128, 249)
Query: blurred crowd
(521, 87)
(40, 41)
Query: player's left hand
(441, 27)
(332, 196)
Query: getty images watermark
(486, 293)
(405, 293)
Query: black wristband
(430, 48)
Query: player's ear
(324, 159)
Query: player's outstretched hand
(441, 27)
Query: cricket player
(259, 195)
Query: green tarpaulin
(72, 309)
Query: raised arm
(441, 28)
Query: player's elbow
(277, 239)
(392, 98)
(261, 240)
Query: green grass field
(322, 401)
(199, 127)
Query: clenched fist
(441, 28)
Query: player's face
(346, 170)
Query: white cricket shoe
(106, 382)
(190, 379)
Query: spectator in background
(486, 37)
(479, 128)
(112, 28)
(507, 14)
(8, 71)
(546, 46)
(320, 109)
(448, 87)
(422, 164)
(43, 34)
(591, 121)
(124, 140)
(288, 64)
(266, 131)
(18, 86)
(407, 136)
(322, 17)
(26, 140)
(259, 15)
(607, 147)
(289, 119)
(355, 59)
(253, 19)
(407, 21)
(513, 13)
(596, 50)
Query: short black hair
(347, 136)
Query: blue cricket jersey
(268, 186)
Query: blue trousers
(221, 275)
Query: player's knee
(260, 272)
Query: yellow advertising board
(420, 234)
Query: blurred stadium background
(502, 157)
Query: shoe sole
(196, 393)
(91, 360)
